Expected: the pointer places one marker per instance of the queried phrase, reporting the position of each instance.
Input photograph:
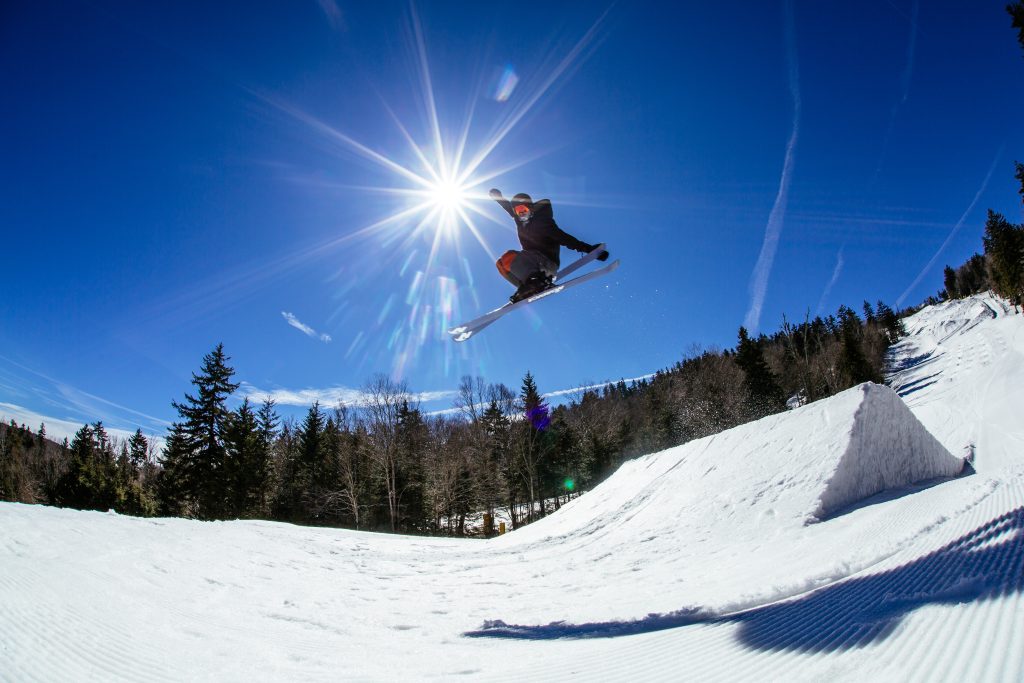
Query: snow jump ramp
(806, 465)
(886, 447)
(821, 458)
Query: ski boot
(535, 284)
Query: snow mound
(887, 448)
(960, 370)
(955, 317)
(802, 465)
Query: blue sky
(177, 175)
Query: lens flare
(438, 184)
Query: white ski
(467, 330)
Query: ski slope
(844, 540)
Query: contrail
(333, 13)
(831, 283)
(908, 71)
(759, 278)
(952, 233)
(304, 328)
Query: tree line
(384, 464)
(94, 471)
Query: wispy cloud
(333, 13)
(831, 283)
(356, 398)
(908, 72)
(331, 396)
(66, 404)
(837, 271)
(602, 385)
(952, 233)
(304, 328)
(763, 268)
(58, 429)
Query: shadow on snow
(916, 386)
(984, 564)
(890, 495)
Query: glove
(495, 193)
(603, 256)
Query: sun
(449, 195)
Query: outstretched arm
(570, 242)
(495, 194)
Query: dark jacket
(541, 234)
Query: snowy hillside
(842, 540)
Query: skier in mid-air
(533, 269)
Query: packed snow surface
(848, 539)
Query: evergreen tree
(764, 395)
(533, 404)
(89, 483)
(1004, 246)
(311, 448)
(174, 480)
(853, 363)
(532, 444)
(261, 469)
(74, 488)
(47, 466)
(950, 283)
(205, 417)
(132, 496)
(971, 277)
(890, 322)
(15, 484)
(243, 453)
(138, 451)
(496, 471)
(412, 437)
(869, 313)
(1016, 10)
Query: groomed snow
(837, 541)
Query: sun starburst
(439, 187)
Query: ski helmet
(522, 207)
